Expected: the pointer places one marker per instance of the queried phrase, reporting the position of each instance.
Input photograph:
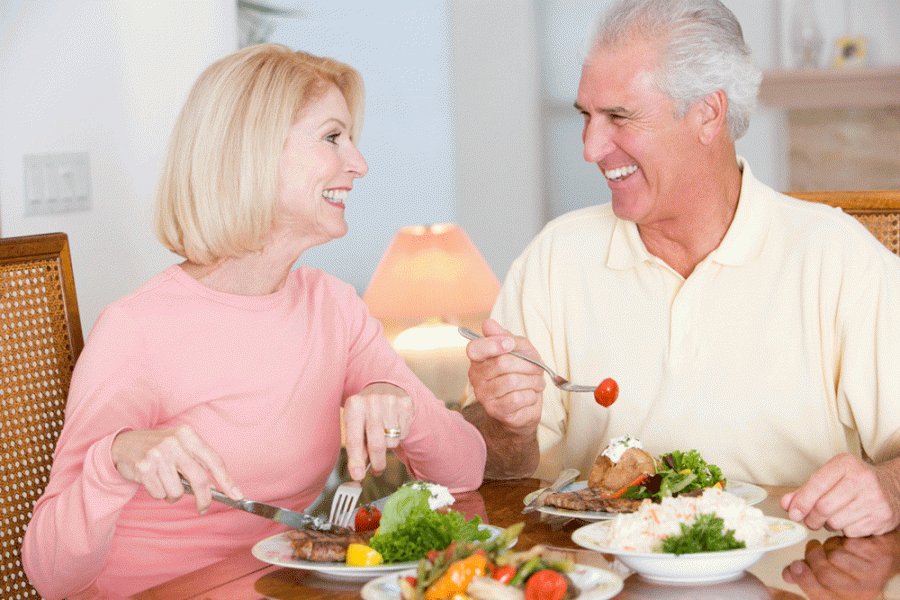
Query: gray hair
(701, 50)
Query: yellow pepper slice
(360, 555)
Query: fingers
(510, 389)
(496, 341)
(845, 495)
(377, 419)
(157, 459)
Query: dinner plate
(702, 567)
(752, 494)
(276, 550)
(594, 584)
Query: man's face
(631, 133)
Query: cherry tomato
(367, 518)
(546, 584)
(607, 392)
(504, 574)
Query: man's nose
(597, 141)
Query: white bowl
(703, 567)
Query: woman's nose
(356, 163)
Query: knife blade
(291, 518)
(565, 478)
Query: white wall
(107, 77)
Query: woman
(230, 368)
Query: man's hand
(849, 495)
(508, 387)
(846, 568)
(509, 393)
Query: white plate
(594, 583)
(752, 494)
(703, 567)
(276, 550)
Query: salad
(677, 473)
(414, 521)
(489, 571)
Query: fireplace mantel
(859, 87)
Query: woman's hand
(369, 416)
(157, 459)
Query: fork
(346, 497)
(558, 380)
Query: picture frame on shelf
(850, 51)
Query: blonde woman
(231, 367)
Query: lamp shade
(431, 271)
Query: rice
(644, 530)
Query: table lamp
(430, 280)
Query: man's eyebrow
(617, 110)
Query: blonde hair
(218, 189)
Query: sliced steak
(591, 500)
(321, 546)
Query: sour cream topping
(618, 446)
(440, 496)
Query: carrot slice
(618, 493)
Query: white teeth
(335, 195)
(620, 173)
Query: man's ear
(710, 117)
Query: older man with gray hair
(761, 330)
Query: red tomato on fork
(607, 392)
(367, 518)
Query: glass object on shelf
(806, 35)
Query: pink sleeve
(442, 446)
(67, 540)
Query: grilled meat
(321, 546)
(592, 500)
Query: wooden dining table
(826, 566)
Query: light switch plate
(56, 183)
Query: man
(758, 329)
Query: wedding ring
(392, 433)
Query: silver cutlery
(346, 497)
(559, 381)
(565, 477)
(291, 518)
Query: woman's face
(318, 165)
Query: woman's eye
(333, 137)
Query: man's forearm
(510, 455)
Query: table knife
(565, 478)
(291, 518)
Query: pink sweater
(261, 380)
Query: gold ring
(392, 433)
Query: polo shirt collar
(742, 242)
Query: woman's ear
(711, 112)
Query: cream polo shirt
(780, 350)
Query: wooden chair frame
(40, 340)
(878, 210)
